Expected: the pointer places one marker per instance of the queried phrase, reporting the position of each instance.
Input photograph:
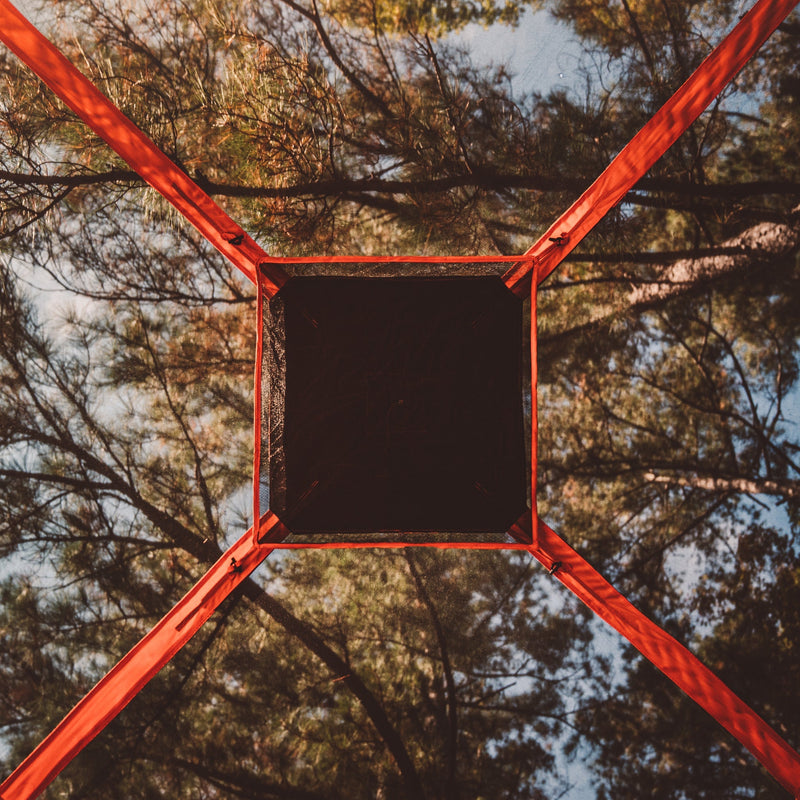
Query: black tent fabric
(394, 405)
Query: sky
(540, 51)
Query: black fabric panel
(402, 406)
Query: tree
(667, 370)
(673, 492)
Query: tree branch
(761, 245)
(716, 483)
(339, 667)
(245, 784)
(478, 178)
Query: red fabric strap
(399, 544)
(666, 653)
(653, 140)
(144, 660)
(671, 657)
(105, 119)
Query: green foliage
(423, 16)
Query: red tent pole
(671, 657)
(105, 119)
(652, 141)
(96, 709)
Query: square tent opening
(394, 402)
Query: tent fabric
(671, 657)
(652, 141)
(105, 119)
(433, 322)
(116, 689)
(257, 408)
(395, 405)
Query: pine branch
(246, 785)
(478, 178)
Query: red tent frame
(516, 538)
(121, 684)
